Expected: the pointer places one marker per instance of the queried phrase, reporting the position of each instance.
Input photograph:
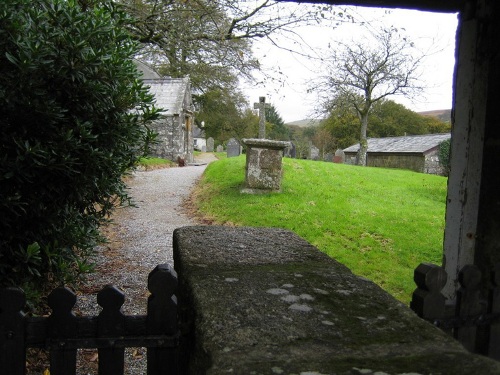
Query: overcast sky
(434, 32)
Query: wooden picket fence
(474, 319)
(62, 333)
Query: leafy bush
(73, 116)
(444, 156)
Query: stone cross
(261, 106)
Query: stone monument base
(263, 165)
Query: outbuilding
(418, 153)
(175, 127)
(199, 140)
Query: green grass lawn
(381, 223)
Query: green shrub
(73, 116)
(444, 156)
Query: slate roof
(169, 94)
(198, 132)
(147, 71)
(406, 144)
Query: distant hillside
(442, 114)
(304, 123)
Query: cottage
(199, 140)
(175, 128)
(419, 153)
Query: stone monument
(264, 158)
(262, 106)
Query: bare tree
(324, 141)
(366, 71)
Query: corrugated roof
(411, 144)
(169, 93)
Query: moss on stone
(260, 299)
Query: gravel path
(141, 238)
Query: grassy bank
(155, 163)
(381, 223)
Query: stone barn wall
(432, 165)
(428, 163)
(350, 158)
(413, 162)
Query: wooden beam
(445, 6)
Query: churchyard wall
(265, 301)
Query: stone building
(199, 140)
(175, 128)
(418, 153)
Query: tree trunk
(363, 143)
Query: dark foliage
(278, 130)
(72, 122)
(444, 156)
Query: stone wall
(432, 165)
(174, 139)
(413, 162)
(264, 301)
(428, 163)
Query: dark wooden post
(494, 308)
(111, 322)
(12, 346)
(427, 300)
(62, 324)
(162, 318)
(468, 305)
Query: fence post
(468, 304)
(111, 322)
(427, 301)
(62, 324)
(13, 351)
(162, 318)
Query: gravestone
(328, 157)
(314, 153)
(233, 148)
(203, 148)
(291, 151)
(220, 148)
(339, 156)
(210, 144)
